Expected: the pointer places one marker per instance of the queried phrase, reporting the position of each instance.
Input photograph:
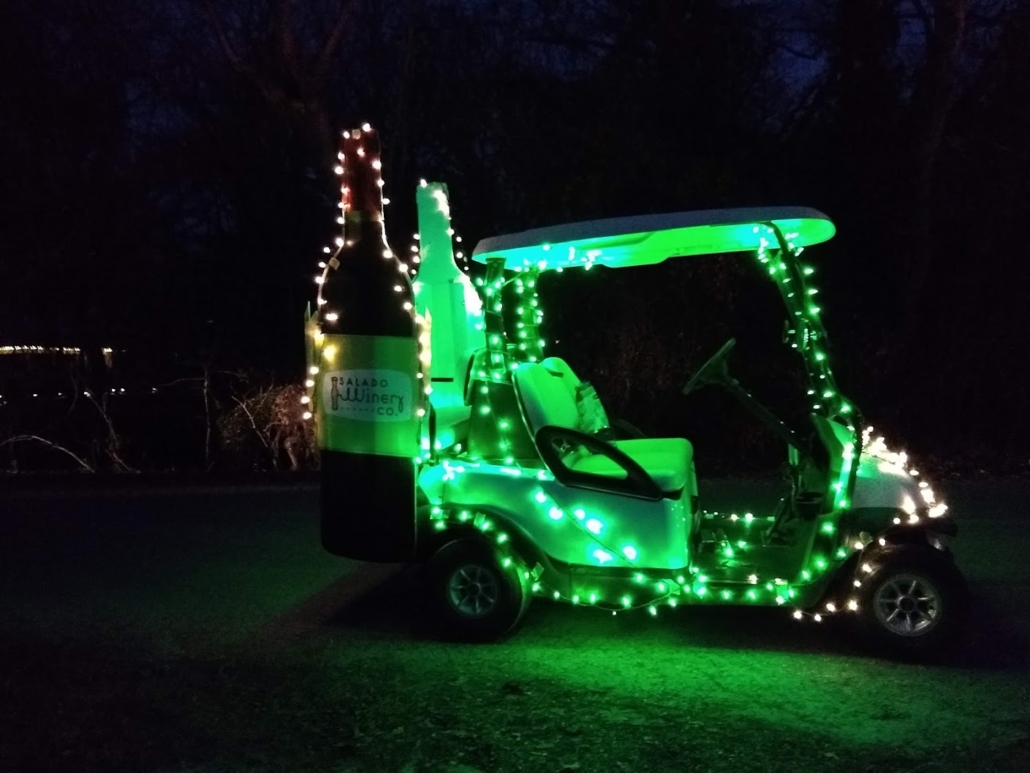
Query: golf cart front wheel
(477, 595)
(914, 604)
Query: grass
(209, 634)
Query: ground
(202, 630)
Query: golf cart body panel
(882, 484)
(575, 526)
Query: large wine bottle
(368, 391)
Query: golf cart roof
(648, 239)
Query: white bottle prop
(443, 290)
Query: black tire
(913, 604)
(475, 596)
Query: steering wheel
(713, 371)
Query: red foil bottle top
(362, 191)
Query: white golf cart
(532, 493)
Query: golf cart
(534, 494)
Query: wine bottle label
(367, 395)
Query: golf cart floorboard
(730, 551)
(766, 562)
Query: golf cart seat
(593, 419)
(653, 463)
(593, 416)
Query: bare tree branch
(922, 12)
(332, 42)
(798, 53)
(113, 439)
(223, 40)
(253, 423)
(932, 103)
(36, 438)
(207, 418)
(287, 42)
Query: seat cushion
(666, 460)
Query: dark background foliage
(166, 187)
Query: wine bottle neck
(362, 226)
(362, 192)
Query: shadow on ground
(82, 706)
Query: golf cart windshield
(649, 239)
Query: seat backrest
(561, 369)
(593, 419)
(545, 400)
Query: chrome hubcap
(907, 605)
(472, 591)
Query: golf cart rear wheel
(476, 597)
(915, 603)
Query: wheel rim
(907, 605)
(473, 591)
